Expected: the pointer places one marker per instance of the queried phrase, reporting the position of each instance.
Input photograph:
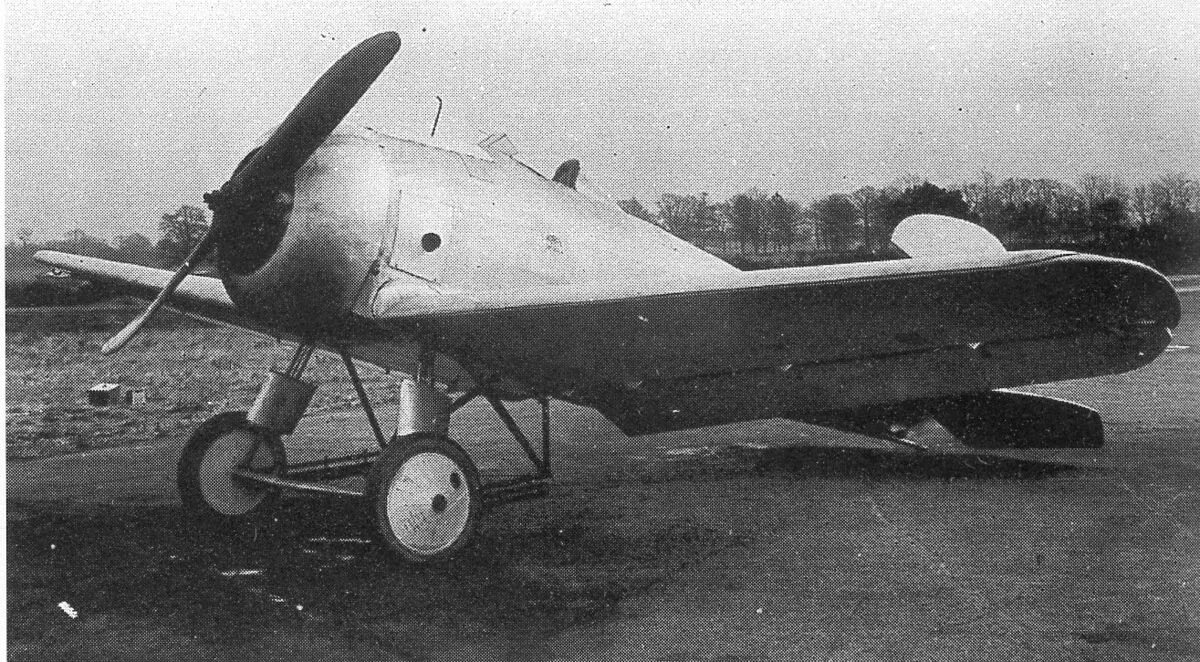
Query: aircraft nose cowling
(333, 236)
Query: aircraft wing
(204, 298)
(670, 354)
(199, 296)
(759, 344)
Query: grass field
(188, 370)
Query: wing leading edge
(202, 296)
(669, 355)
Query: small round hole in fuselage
(431, 241)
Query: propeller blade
(308, 125)
(126, 334)
(316, 115)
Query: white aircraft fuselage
(472, 273)
(384, 227)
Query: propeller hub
(248, 227)
(249, 235)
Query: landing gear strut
(422, 490)
(210, 476)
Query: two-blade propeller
(273, 166)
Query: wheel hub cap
(428, 503)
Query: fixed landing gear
(426, 497)
(422, 490)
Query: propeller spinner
(262, 185)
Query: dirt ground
(768, 540)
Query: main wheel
(221, 444)
(425, 496)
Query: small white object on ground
(240, 573)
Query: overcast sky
(118, 112)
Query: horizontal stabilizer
(1006, 419)
(932, 235)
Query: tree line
(25, 284)
(179, 232)
(1156, 222)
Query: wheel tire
(425, 497)
(208, 491)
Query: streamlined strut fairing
(472, 273)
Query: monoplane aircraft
(475, 276)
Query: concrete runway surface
(768, 540)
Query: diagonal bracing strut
(542, 463)
(362, 397)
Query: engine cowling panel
(300, 257)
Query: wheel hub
(428, 505)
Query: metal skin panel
(1002, 419)
(801, 391)
(365, 198)
(509, 228)
(935, 235)
(811, 347)
(423, 409)
(335, 233)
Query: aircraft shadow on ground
(536, 566)
(337, 527)
(854, 463)
(535, 569)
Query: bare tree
(983, 198)
(836, 217)
(678, 214)
(708, 223)
(81, 243)
(872, 208)
(748, 218)
(1174, 191)
(1141, 204)
(181, 231)
(1102, 209)
(781, 222)
(1156, 222)
(743, 220)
